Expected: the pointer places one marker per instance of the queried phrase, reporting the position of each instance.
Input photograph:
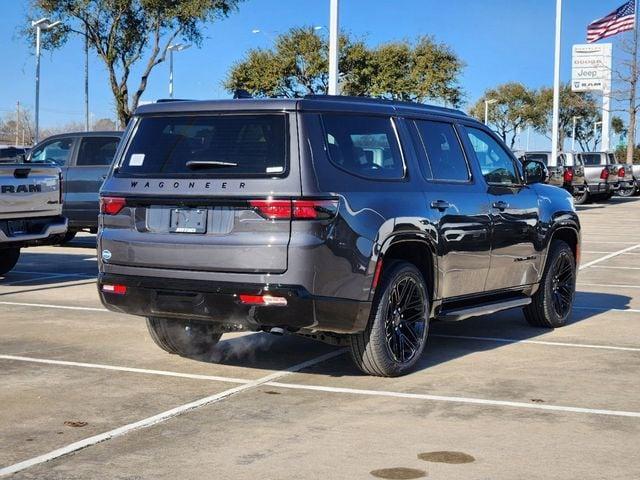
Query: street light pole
(555, 131)
(595, 133)
(333, 47)
(40, 25)
(86, 79)
(178, 47)
(488, 102)
(573, 134)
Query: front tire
(627, 192)
(396, 334)
(582, 198)
(8, 259)
(551, 305)
(183, 337)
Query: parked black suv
(351, 220)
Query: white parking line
(538, 342)
(99, 366)
(54, 273)
(615, 268)
(608, 256)
(61, 307)
(440, 398)
(609, 285)
(163, 416)
(601, 309)
(615, 243)
(34, 279)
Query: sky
(499, 41)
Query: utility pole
(86, 79)
(17, 122)
(40, 25)
(631, 135)
(553, 161)
(333, 47)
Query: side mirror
(535, 172)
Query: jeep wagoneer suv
(351, 220)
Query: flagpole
(556, 88)
(631, 135)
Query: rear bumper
(218, 302)
(602, 187)
(37, 231)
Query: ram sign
(591, 67)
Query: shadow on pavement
(268, 352)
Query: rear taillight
(621, 172)
(568, 174)
(266, 300)
(604, 174)
(303, 209)
(112, 205)
(115, 289)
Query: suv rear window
(208, 145)
(363, 145)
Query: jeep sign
(591, 67)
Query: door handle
(500, 205)
(440, 205)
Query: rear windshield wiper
(209, 163)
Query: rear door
(457, 205)
(85, 176)
(515, 259)
(205, 192)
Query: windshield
(208, 145)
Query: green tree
(513, 110)
(572, 104)
(298, 65)
(126, 32)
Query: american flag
(620, 20)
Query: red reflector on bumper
(267, 300)
(115, 289)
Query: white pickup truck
(30, 209)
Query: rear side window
(445, 159)
(209, 145)
(97, 151)
(540, 157)
(366, 146)
(590, 158)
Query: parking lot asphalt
(86, 394)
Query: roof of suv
(308, 103)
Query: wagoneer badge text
(177, 184)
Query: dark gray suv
(351, 220)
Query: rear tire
(582, 198)
(396, 334)
(183, 337)
(627, 192)
(551, 305)
(8, 259)
(70, 235)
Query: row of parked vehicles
(589, 176)
(50, 192)
(353, 221)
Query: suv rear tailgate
(207, 216)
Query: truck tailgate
(28, 190)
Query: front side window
(56, 152)
(97, 151)
(495, 163)
(540, 157)
(363, 145)
(208, 145)
(444, 154)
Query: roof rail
(167, 100)
(397, 103)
